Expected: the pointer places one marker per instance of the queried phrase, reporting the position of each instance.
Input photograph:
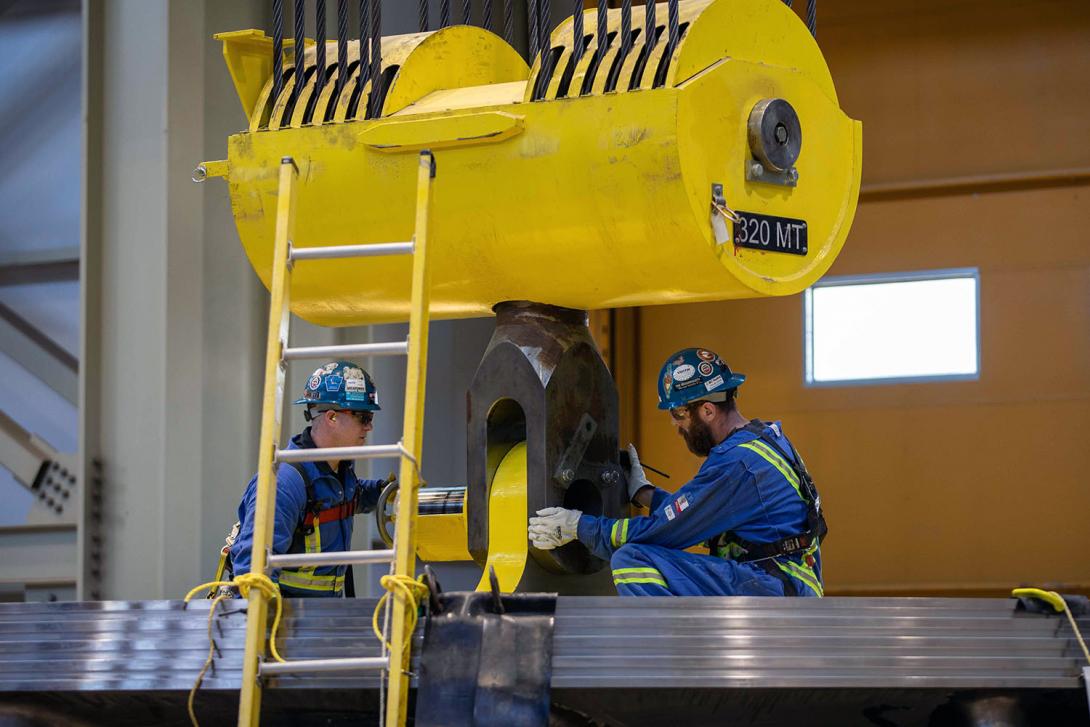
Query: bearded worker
(752, 502)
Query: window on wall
(893, 328)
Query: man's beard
(698, 438)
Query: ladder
(395, 660)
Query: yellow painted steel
(593, 201)
(412, 445)
(249, 708)
(507, 541)
(442, 538)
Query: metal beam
(39, 266)
(37, 466)
(39, 354)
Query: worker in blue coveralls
(316, 501)
(752, 502)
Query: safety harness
(303, 540)
(745, 551)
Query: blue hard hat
(692, 374)
(341, 385)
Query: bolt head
(566, 476)
(757, 169)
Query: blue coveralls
(330, 489)
(744, 486)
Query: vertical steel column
(249, 708)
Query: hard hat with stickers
(692, 374)
(341, 385)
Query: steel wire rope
(649, 26)
(674, 23)
(626, 30)
(423, 16)
(787, 2)
(531, 22)
(319, 47)
(602, 36)
(486, 20)
(300, 50)
(577, 31)
(376, 58)
(342, 44)
(467, 12)
(278, 49)
(811, 17)
(364, 65)
(509, 21)
(444, 13)
(544, 47)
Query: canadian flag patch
(681, 503)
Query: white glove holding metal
(637, 479)
(553, 527)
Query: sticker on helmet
(329, 368)
(706, 368)
(679, 360)
(705, 355)
(712, 383)
(314, 382)
(684, 372)
(333, 383)
(351, 372)
(667, 383)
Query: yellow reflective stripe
(804, 574)
(309, 581)
(776, 461)
(653, 571)
(624, 532)
(613, 533)
(313, 542)
(615, 539)
(656, 581)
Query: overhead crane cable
(626, 30)
(577, 30)
(278, 48)
(531, 21)
(342, 44)
(486, 21)
(444, 13)
(423, 16)
(365, 65)
(376, 58)
(674, 23)
(811, 16)
(602, 36)
(319, 47)
(544, 28)
(300, 50)
(649, 25)
(467, 12)
(509, 21)
(787, 3)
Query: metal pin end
(200, 174)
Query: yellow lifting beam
(408, 450)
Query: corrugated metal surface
(620, 661)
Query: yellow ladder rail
(408, 450)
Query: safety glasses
(363, 417)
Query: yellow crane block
(599, 192)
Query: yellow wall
(976, 122)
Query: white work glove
(553, 527)
(637, 480)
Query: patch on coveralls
(717, 381)
(705, 355)
(681, 503)
(706, 368)
(314, 383)
(669, 512)
(333, 383)
(684, 372)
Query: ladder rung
(344, 557)
(322, 454)
(342, 251)
(310, 666)
(389, 348)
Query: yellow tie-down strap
(508, 546)
(442, 538)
